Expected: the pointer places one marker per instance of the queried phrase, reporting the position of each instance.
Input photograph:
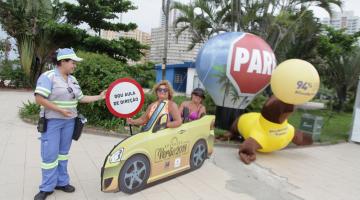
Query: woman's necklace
(197, 107)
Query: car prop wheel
(134, 174)
(198, 155)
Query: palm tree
(26, 54)
(23, 19)
(275, 20)
(235, 97)
(278, 29)
(223, 80)
(211, 20)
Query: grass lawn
(336, 126)
(219, 132)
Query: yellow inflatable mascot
(293, 82)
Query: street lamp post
(232, 16)
(165, 9)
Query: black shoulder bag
(80, 121)
(42, 124)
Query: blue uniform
(56, 141)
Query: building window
(178, 78)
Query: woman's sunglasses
(162, 90)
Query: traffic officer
(58, 93)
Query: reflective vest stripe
(42, 93)
(63, 157)
(66, 104)
(43, 89)
(49, 165)
(69, 56)
(80, 96)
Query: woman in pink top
(193, 110)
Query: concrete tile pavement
(252, 179)
(324, 172)
(327, 172)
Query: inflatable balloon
(295, 81)
(234, 67)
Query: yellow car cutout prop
(157, 152)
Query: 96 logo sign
(303, 85)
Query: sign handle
(130, 127)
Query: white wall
(190, 81)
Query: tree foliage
(121, 49)
(211, 21)
(40, 27)
(277, 21)
(99, 14)
(341, 69)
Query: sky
(348, 5)
(147, 15)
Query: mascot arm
(247, 150)
(300, 138)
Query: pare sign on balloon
(234, 67)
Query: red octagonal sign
(250, 64)
(124, 97)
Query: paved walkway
(327, 172)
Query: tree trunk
(37, 69)
(224, 97)
(341, 94)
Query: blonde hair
(168, 85)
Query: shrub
(349, 104)
(30, 110)
(16, 75)
(142, 73)
(209, 104)
(179, 99)
(257, 104)
(94, 74)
